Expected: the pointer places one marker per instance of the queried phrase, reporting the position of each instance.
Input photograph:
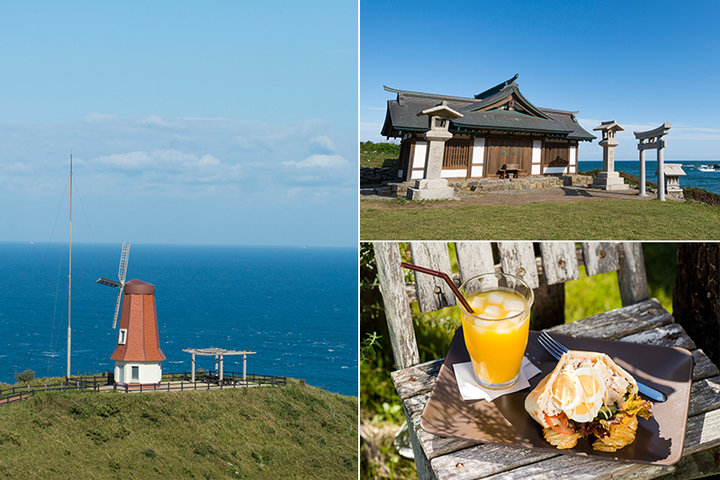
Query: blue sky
(640, 63)
(190, 122)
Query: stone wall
(371, 175)
(576, 180)
(502, 185)
(399, 189)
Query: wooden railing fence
(95, 383)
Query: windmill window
(134, 373)
(122, 336)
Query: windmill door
(508, 151)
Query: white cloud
(184, 158)
(318, 161)
(99, 117)
(153, 121)
(205, 119)
(322, 144)
(208, 160)
(126, 161)
(160, 160)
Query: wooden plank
(704, 396)
(474, 258)
(571, 467)
(518, 258)
(703, 432)
(600, 257)
(435, 446)
(417, 379)
(486, 459)
(433, 293)
(670, 335)
(704, 367)
(702, 464)
(397, 306)
(619, 322)
(559, 262)
(414, 406)
(483, 460)
(631, 275)
(422, 464)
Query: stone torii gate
(653, 139)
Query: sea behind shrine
(296, 307)
(707, 180)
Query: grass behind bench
(288, 432)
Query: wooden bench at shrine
(640, 320)
(510, 170)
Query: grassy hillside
(379, 154)
(295, 431)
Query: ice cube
(477, 303)
(495, 297)
(492, 311)
(512, 313)
(481, 329)
(511, 302)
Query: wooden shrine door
(508, 150)
(556, 157)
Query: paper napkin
(470, 389)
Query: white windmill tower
(124, 255)
(137, 355)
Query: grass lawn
(276, 432)
(588, 220)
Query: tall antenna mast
(67, 375)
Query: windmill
(120, 282)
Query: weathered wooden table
(646, 322)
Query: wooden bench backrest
(556, 263)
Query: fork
(556, 349)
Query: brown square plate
(659, 440)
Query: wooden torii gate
(653, 139)
(218, 353)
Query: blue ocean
(695, 177)
(295, 307)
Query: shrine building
(495, 134)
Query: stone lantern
(433, 186)
(609, 179)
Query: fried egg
(579, 393)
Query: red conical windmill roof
(139, 317)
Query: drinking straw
(445, 277)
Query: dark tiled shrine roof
(479, 114)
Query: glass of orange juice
(496, 333)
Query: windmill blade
(108, 282)
(124, 256)
(117, 306)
